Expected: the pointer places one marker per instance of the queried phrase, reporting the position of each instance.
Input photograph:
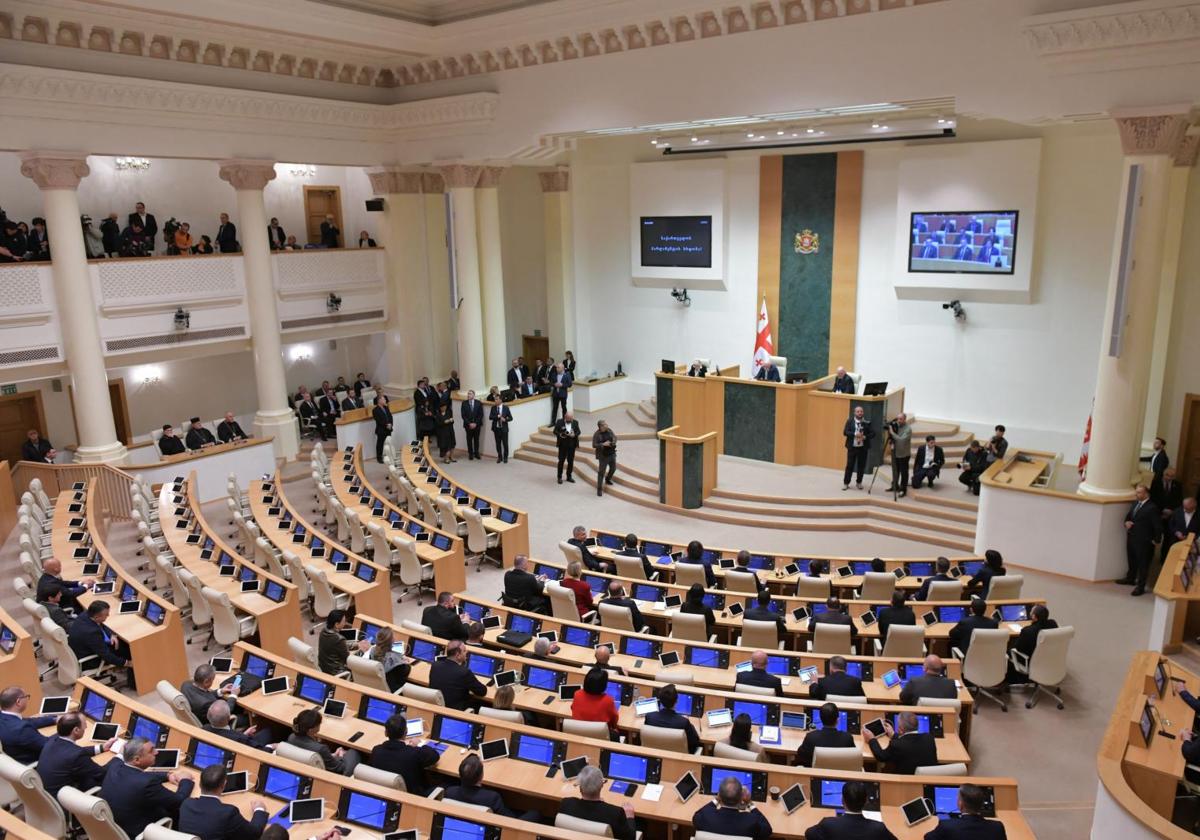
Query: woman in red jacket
(592, 702)
(581, 591)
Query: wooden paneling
(8, 502)
(847, 222)
(770, 226)
(318, 203)
(18, 414)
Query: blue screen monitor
(922, 722)
(377, 710)
(609, 540)
(536, 750)
(951, 615)
(854, 669)
(634, 646)
(971, 567)
(911, 671)
(860, 567)
(415, 528)
(336, 556)
(630, 768)
(155, 613)
(274, 591)
(475, 611)
(579, 636)
(817, 608)
(312, 689)
(247, 573)
(452, 828)
(368, 811)
(689, 705)
(483, 666)
(128, 593)
(831, 793)
(95, 706)
(257, 666)
(758, 711)
(616, 691)
(719, 774)
(441, 542)
(647, 592)
(779, 665)
(549, 572)
(710, 555)
(920, 568)
(316, 542)
(761, 562)
(142, 727)
(704, 657)
(423, 650)
(1014, 612)
(365, 573)
(543, 678)
(655, 549)
(280, 784)
(368, 631)
(714, 601)
(841, 722)
(522, 624)
(453, 731)
(597, 584)
(206, 755)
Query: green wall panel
(662, 470)
(750, 421)
(693, 475)
(665, 395)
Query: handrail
(112, 484)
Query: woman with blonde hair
(395, 667)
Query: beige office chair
(950, 721)
(562, 604)
(845, 699)
(678, 676)
(383, 778)
(582, 826)
(945, 590)
(755, 689)
(986, 664)
(415, 574)
(812, 588)
(42, 810)
(382, 551)
(325, 600)
(298, 578)
(178, 703)
(631, 567)
(616, 617)
(510, 715)
(158, 832)
(94, 815)
(1047, 668)
(479, 541)
(663, 738)
(691, 627)
(877, 586)
(736, 581)
(904, 641)
(570, 552)
(955, 769)
(202, 616)
(267, 557)
(1005, 588)
(408, 497)
(724, 750)
(67, 665)
(368, 672)
(585, 728)
(416, 626)
(426, 510)
(302, 653)
(831, 638)
(24, 590)
(838, 758)
(687, 574)
(290, 751)
(422, 693)
(358, 538)
(760, 634)
(339, 517)
(228, 627)
(449, 515)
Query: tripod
(879, 466)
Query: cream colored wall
(523, 246)
(1183, 374)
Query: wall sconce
(147, 374)
(183, 319)
(333, 303)
(134, 164)
(300, 353)
(303, 170)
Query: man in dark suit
(226, 238)
(1168, 495)
(668, 718)
(1027, 640)
(229, 429)
(964, 252)
(698, 369)
(631, 549)
(528, 388)
(201, 690)
(18, 734)
(566, 434)
(470, 789)
(758, 675)
(472, 420)
(37, 448)
(742, 564)
(761, 611)
(220, 722)
(973, 464)
(138, 797)
(63, 762)
(328, 402)
(145, 221)
(1181, 523)
(843, 383)
(330, 233)
(522, 587)
(209, 818)
(541, 373)
(199, 437)
(834, 613)
(589, 806)
(88, 638)
(348, 402)
(52, 575)
(898, 612)
(907, 748)
(443, 619)
(933, 683)
(976, 619)
(460, 688)
(942, 569)
(858, 434)
(970, 825)
(276, 238)
(591, 561)
(694, 554)
(311, 411)
(423, 395)
(1142, 529)
(382, 415)
(729, 815)
(169, 444)
(560, 385)
(837, 682)
(927, 463)
(110, 233)
(827, 736)
(397, 755)
(768, 373)
(52, 602)
(604, 444)
(618, 598)
(515, 375)
(1159, 461)
(500, 416)
(850, 824)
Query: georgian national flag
(763, 348)
(1083, 453)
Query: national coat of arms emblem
(807, 242)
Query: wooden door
(1187, 463)
(18, 414)
(120, 410)
(534, 347)
(320, 202)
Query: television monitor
(676, 241)
(1146, 724)
(452, 828)
(377, 710)
(963, 242)
(371, 812)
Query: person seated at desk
(63, 762)
(312, 414)
(52, 602)
(89, 639)
(928, 463)
(450, 675)
(969, 823)
(524, 588)
(404, 757)
(603, 655)
(475, 633)
(328, 402)
(827, 736)
(229, 429)
(761, 611)
(208, 818)
(964, 252)
(757, 675)
(396, 667)
(932, 683)
(589, 806)
(349, 402)
(18, 734)
(816, 568)
(201, 694)
(697, 369)
(976, 619)
(768, 373)
(168, 444)
(443, 619)
(993, 566)
(837, 682)
(631, 549)
(505, 700)
(1027, 640)
(850, 824)
(930, 251)
(595, 564)
(941, 575)
(543, 648)
(668, 718)
(594, 703)
(139, 796)
(582, 592)
(305, 727)
(742, 564)
(694, 553)
(898, 612)
(470, 790)
(834, 613)
(973, 464)
(199, 437)
(618, 598)
(907, 749)
(843, 383)
(52, 576)
(741, 734)
(220, 722)
(693, 604)
(1183, 521)
(732, 813)
(332, 647)
(37, 448)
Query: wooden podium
(687, 468)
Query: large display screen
(677, 241)
(955, 242)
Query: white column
(407, 342)
(58, 174)
(1148, 140)
(461, 181)
(491, 275)
(443, 357)
(560, 261)
(273, 418)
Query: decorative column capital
(489, 177)
(460, 175)
(390, 180)
(1148, 133)
(247, 174)
(1188, 150)
(54, 170)
(432, 183)
(555, 181)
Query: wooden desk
(1176, 604)
(156, 651)
(1023, 468)
(246, 459)
(19, 829)
(277, 620)
(18, 665)
(358, 426)
(374, 596)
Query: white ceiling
(433, 12)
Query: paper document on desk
(652, 793)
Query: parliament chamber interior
(518, 419)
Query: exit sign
(8, 390)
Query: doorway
(120, 410)
(18, 414)
(534, 347)
(1187, 464)
(320, 202)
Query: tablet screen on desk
(166, 759)
(335, 708)
(306, 810)
(222, 664)
(130, 607)
(275, 685)
(494, 749)
(83, 554)
(77, 536)
(687, 787)
(793, 798)
(104, 731)
(54, 705)
(238, 782)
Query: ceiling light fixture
(134, 164)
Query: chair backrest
(339, 516)
(36, 612)
(1005, 588)
(570, 552)
(1048, 665)
(662, 738)
(420, 692)
(298, 577)
(201, 609)
(409, 561)
(93, 814)
(765, 691)
(42, 810)
(838, 758)
(724, 750)
(154, 831)
(688, 573)
(845, 699)
(428, 512)
(689, 626)
(878, 586)
(907, 641)
(562, 602)
(678, 676)
(781, 363)
(302, 652)
(381, 549)
(446, 511)
(358, 541)
(585, 728)
(23, 588)
(616, 617)
(322, 593)
(596, 829)
(736, 581)
(290, 751)
(68, 664)
(810, 587)
(510, 715)
(416, 626)
(945, 703)
(945, 590)
(759, 634)
(226, 628)
(476, 533)
(631, 567)
(383, 778)
(832, 638)
(410, 498)
(368, 672)
(955, 769)
(30, 566)
(179, 591)
(266, 558)
(178, 702)
(986, 662)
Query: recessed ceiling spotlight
(750, 135)
(695, 139)
(874, 125)
(795, 135)
(654, 142)
(941, 121)
(778, 133)
(883, 128)
(810, 131)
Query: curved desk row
(357, 427)
(1176, 598)
(17, 663)
(246, 459)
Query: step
(636, 415)
(648, 409)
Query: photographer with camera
(900, 434)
